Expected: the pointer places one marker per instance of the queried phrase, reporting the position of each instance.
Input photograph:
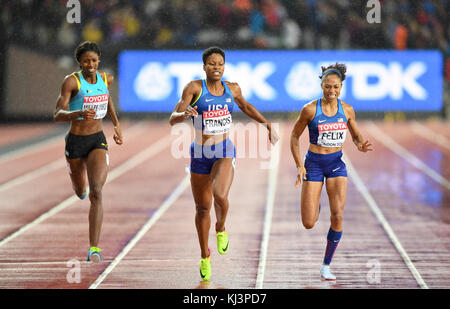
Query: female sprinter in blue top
(210, 102)
(84, 101)
(327, 119)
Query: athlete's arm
(112, 113)
(306, 115)
(61, 113)
(358, 140)
(183, 109)
(251, 111)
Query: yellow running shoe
(222, 242)
(205, 267)
(94, 255)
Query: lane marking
(134, 161)
(382, 220)
(430, 135)
(405, 154)
(182, 186)
(51, 142)
(270, 200)
(50, 167)
(43, 170)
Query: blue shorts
(320, 166)
(203, 157)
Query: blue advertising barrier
(152, 81)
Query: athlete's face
(331, 87)
(89, 62)
(214, 66)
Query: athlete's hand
(88, 114)
(301, 175)
(118, 135)
(190, 112)
(273, 136)
(365, 147)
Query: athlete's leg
(77, 172)
(201, 185)
(222, 176)
(336, 189)
(337, 193)
(97, 170)
(310, 199)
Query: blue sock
(333, 238)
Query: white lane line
(144, 229)
(430, 135)
(134, 161)
(46, 169)
(53, 141)
(354, 176)
(50, 167)
(405, 154)
(270, 200)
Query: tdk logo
(153, 81)
(369, 80)
(156, 81)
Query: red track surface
(398, 228)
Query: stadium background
(39, 41)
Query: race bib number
(216, 122)
(99, 103)
(332, 134)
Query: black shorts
(79, 146)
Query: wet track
(396, 221)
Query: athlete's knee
(308, 224)
(221, 198)
(202, 210)
(95, 192)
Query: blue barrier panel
(152, 81)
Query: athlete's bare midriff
(203, 139)
(323, 150)
(86, 127)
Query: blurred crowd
(232, 24)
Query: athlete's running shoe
(94, 255)
(222, 242)
(84, 195)
(326, 274)
(205, 267)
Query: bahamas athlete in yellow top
(84, 101)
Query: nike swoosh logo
(208, 100)
(320, 121)
(201, 275)
(336, 169)
(226, 248)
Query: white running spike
(326, 274)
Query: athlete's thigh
(201, 185)
(310, 199)
(337, 193)
(222, 174)
(97, 166)
(77, 171)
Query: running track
(396, 221)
